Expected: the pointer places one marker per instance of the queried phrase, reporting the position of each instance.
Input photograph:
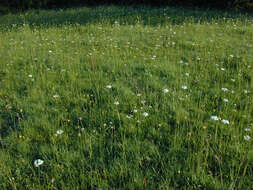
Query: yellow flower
(112, 71)
(185, 117)
(20, 110)
(204, 127)
(79, 134)
(214, 110)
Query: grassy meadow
(126, 98)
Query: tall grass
(126, 98)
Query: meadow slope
(126, 98)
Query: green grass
(54, 70)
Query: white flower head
(215, 118)
(135, 111)
(165, 90)
(247, 129)
(247, 137)
(225, 121)
(187, 74)
(225, 100)
(108, 86)
(184, 87)
(30, 76)
(129, 116)
(38, 162)
(56, 96)
(139, 94)
(233, 80)
(224, 89)
(223, 69)
(59, 132)
(145, 114)
(116, 103)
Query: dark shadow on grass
(9, 121)
(123, 15)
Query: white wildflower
(225, 100)
(129, 116)
(165, 90)
(145, 114)
(56, 96)
(214, 118)
(224, 89)
(38, 162)
(135, 111)
(247, 129)
(116, 103)
(59, 132)
(225, 121)
(109, 86)
(30, 76)
(184, 87)
(247, 137)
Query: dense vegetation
(126, 98)
(224, 4)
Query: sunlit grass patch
(126, 98)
